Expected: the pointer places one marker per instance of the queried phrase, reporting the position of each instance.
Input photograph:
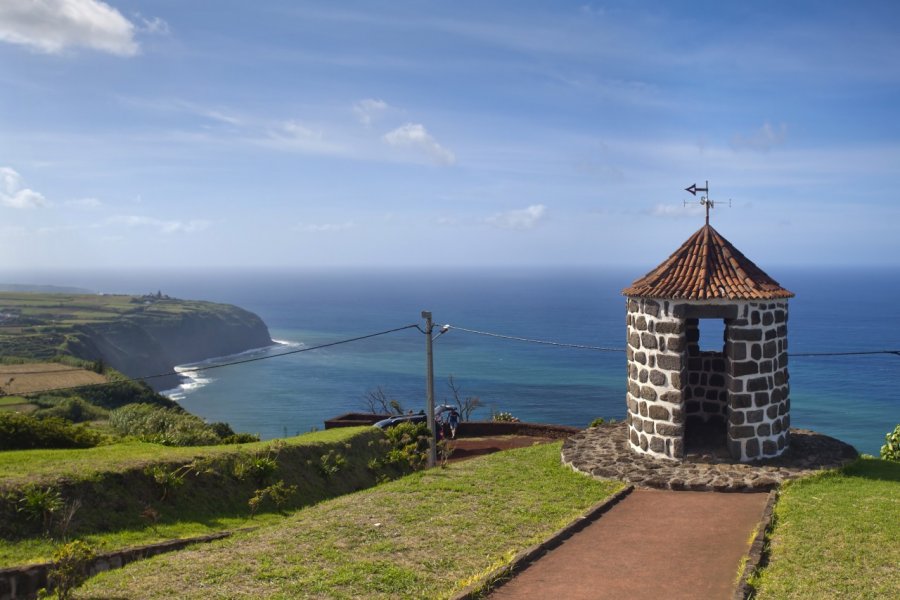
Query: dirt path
(464, 448)
(653, 544)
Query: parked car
(391, 421)
(418, 417)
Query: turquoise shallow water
(852, 398)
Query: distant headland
(136, 335)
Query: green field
(19, 467)
(426, 535)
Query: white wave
(194, 372)
(289, 343)
(194, 379)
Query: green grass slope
(426, 535)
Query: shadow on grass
(874, 469)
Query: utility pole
(429, 388)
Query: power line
(227, 364)
(896, 352)
(604, 349)
(444, 328)
(534, 341)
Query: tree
(466, 406)
(378, 401)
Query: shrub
(330, 464)
(597, 422)
(70, 567)
(120, 393)
(891, 448)
(167, 426)
(504, 417)
(40, 504)
(25, 432)
(75, 410)
(278, 493)
(168, 478)
(259, 467)
(408, 446)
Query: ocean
(855, 398)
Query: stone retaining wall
(25, 582)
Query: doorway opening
(706, 394)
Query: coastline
(192, 375)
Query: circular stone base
(604, 452)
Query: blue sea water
(853, 398)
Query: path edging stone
(757, 550)
(498, 576)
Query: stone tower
(732, 400)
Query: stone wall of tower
(759, 405)
(669, 379)
(655, 355)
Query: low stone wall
(24, 582)
(354, 419)
(467, 428)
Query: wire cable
(801, 354)
(532, 340)
(226, 364)
(605, 349)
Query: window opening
(712, 335)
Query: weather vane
(705, 201)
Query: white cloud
(14, 194)
(294, 136)
(325, 227)
(153, 26)
(675, 211)
(86, 203)
(525, 218)
(762, 140)
(163, 226)
(369, 110)
(299, 131)
(51, 26)
(415, 136)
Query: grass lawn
(190, 519)
(426, 535)
(837, 535)
(44, 466)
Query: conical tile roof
(707, 267)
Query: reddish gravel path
(464, 448)
(654, 544)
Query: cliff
(138, 336)
(154, 341)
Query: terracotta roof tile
(707, 266)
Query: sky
(289, 134)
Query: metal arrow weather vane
(704, 200)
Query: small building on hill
(731, 399)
